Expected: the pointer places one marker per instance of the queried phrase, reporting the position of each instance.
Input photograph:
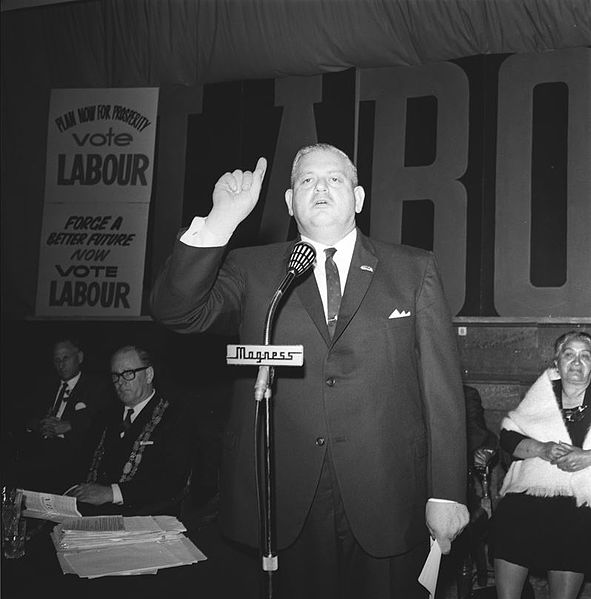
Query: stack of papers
(115, 545)
(92, 532)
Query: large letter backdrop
(100, 157)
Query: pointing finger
(260, 168)
(258, 174)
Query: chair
(471, 547)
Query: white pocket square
(398, 314)
(79, 406)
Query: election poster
(100, 160)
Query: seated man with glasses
(141, 463)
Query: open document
(47, 506)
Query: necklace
(574, 414)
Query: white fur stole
(538, 417)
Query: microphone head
(301, 259)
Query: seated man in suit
(61, 435)
(141, 462)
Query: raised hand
(234, 197)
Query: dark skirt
(542, 533)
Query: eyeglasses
(127, 375)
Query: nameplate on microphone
(265, 355)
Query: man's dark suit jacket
(90, 398)
(165, 455)
(478, 433)
(55, 463)
(384, 394)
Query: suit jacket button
(320, 441)
(330, 381)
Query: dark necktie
(333, 290)
(126, 421)
(58, 400)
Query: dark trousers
(327, 562)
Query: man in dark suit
(370, 433)
(141, 463)
(60, 437)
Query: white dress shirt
(71, 383)
(342, 258)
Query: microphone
(302, 258)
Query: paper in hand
(430, 571)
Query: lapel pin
(366, 267)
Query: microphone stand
(263, 393)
